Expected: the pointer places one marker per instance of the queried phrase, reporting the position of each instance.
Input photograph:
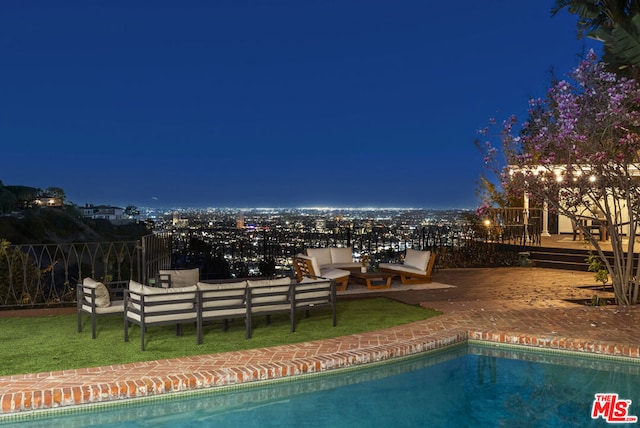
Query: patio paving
(510, 305)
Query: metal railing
(457, 246)
(46, 275)
(514, 225)
(155, 254)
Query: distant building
(46, 201)
(104, 212)
(178, 221)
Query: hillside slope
(64, 225)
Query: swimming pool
(466, 385)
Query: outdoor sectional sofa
(149, 306)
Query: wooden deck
(566, 241)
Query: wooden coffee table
(373, 280)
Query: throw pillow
(103, 300)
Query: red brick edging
(42, 391)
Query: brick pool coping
(54, 390)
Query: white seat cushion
(150, 319)
(350, 265)
(314, 293)
(212, 311)
(285, 307)
(263, 294)
(205, 286)
(334, 273)
(114, 308)
(398, 267)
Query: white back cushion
(182, 277)
(269, 282)
(204, 286)
(341, 255)
(322, 255)
(417, 259)
(158, 294)
(223, 294)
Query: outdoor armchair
(308, 267)
(416, 267)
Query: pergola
(560, 173)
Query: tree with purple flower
(579, 152)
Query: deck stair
(561, 258)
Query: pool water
(468, 385)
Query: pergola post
(525, 217)
(545, 219)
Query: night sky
(267, 103)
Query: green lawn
(42, 344)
